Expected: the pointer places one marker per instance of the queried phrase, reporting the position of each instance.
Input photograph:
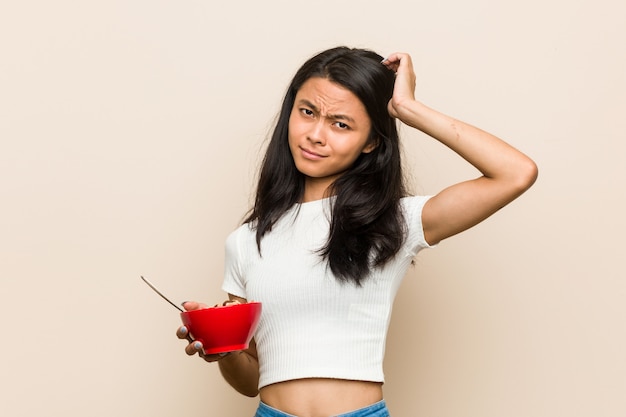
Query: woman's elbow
(525, 175)
(248, 392)
(531, 172)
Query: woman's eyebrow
(313, 107)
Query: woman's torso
(321, 397)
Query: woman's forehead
(329, 97)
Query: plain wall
(130, 132)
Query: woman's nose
(316, 134)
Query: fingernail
(183, 303)
(183, 329)
(197, 345)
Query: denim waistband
(378, 409)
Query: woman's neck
(316, 189)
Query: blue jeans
(375, 410)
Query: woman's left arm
(506, 172)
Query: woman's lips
(310, 154)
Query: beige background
(130, 133)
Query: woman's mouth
(310, 154)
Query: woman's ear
(371, 145)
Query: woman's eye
(307, 112)
(342, 125)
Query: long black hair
(367, 226)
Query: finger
(397, 60)
(392, 61)
(193, 348)
(193, 305)
(182, 332)
(215, 357)
(196, 347)
(391, 58)
(391, 66)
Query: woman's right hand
(241, 369)
(195, 346)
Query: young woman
(333, 231)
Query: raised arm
(506, 172)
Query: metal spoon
(159, 292)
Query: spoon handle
(159, 292)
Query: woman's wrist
(413, 113)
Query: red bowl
(223, 328)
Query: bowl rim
(221, 307)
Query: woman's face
(328, 130)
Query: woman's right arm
(240, 369)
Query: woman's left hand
(404, 87)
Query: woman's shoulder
(414, 203)
(242, 231)
(241, 237)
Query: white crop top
(313, 326)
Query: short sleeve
(415, 240)
(234, 282)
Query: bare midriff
(321, 397)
